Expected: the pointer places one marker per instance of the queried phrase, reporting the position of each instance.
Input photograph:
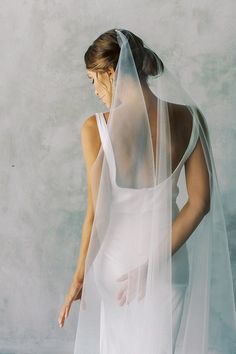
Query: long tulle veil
(138, 192)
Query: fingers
(123, 300)
(126, 294)
(135, 284)
(121, 296)
(74, 293)
(61, 319)
(123, 277)
(67, 310)
(64, 314)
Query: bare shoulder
(89, 124)
(90, 138)
(181, 119)
(89, 129)
(180, 111)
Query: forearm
(186, 222)
(84, 244)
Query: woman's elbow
(206, 205)
(201, 205)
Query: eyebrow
(89, 76)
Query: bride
(153, 273)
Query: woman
(145, 285)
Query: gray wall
(45, 96)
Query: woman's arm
(90, 146)
(198, 204)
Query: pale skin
(196, 173)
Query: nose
(96, 93)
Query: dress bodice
(134, 209)
(137, 197)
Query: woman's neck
(149, 97)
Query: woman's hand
(73, 294)
(134, 283)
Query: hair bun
(105, 50)
(152, 64)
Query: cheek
(98, 87)
(103, 87)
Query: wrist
(78, 279)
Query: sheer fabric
(181, 303)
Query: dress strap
(193, 139)
(106, 144)
(108, 149)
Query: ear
(111, 72)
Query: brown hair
(104, 53)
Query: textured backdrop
(45, 97)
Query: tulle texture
(172, 304)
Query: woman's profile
(153, 274)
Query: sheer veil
(139, 187)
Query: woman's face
(102, 85)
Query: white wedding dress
(137, 297)
(121, 235)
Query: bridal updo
(104, 53)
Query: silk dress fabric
(108, 265)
